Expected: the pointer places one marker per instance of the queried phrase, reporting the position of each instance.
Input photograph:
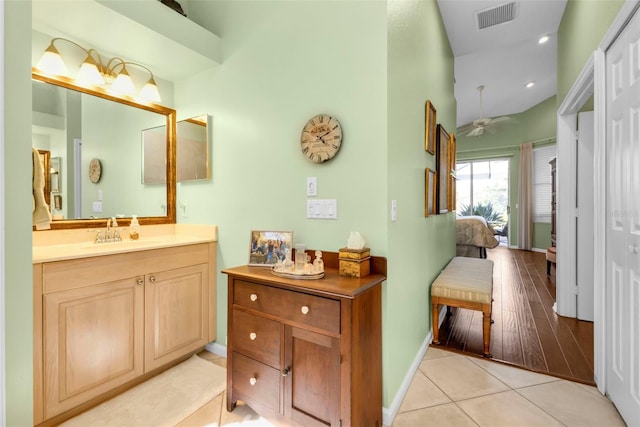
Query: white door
(622, 286)
(584, 235)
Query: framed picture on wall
(267, 247)
(430, 180)
(451, 201)
(430, 128)
(443, 165)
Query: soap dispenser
(134, 228)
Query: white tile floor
(450, 390)
(454, 390)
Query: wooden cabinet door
(93, 341)
(312, 381)
(176, 314)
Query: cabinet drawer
(256, 337)
(319, 312)
(256, 382)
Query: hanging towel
(41, 214)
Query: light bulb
(150, 91)
(89, 72)
(123, 83)
(543, 39)
(52, 63)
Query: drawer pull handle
(140, 281)
(152, 279)
(286, 371)
(253, 297)
(253, 381)
(252, 336)
(304, 309)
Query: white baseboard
(215, 348)
(389, 414)
(544, 251)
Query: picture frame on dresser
(267, 247)
(430, 128)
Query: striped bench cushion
(465, 279)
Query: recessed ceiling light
(543, 39)
(530, 84)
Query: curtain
(525, 205)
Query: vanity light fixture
(114, 74)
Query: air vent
(496, 15)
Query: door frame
(590, 81)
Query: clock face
(95, 170)
(321, 138)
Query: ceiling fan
(477, 127)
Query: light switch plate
(97, 207)
(312, 186)
(322, 209)
(394, 210)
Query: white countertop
(58, 245)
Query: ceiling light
(530, 84)
(543, 39)
(94, 72)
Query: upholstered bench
(465, 283)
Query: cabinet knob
(253, 297)
(253, 381)
(304, 309)
(152, 279)
(285, 371)
(140, 281)
(252, 336)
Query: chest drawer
(319, 312)
(256, 337)
(254, 381)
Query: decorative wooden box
(354, 262)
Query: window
(542, 183)
(482, 189)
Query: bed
(474, 236)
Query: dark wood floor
(526, 331)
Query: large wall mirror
(78, 125)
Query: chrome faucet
(111, 234)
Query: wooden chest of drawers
(308, 351)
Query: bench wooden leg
(548, 268)
(486, 331)
(434, 322)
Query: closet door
(622, 285)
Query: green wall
(18, 271)
(282, 64)
(536, 124)
(583, 25)
(420, 68)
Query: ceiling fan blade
(476, 132)
(499, 119)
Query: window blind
(542, 183)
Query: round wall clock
(95, 170)
(321, 138)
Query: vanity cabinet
(106, 322)
(308, 351)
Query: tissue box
(354, 262)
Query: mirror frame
(170, 114)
